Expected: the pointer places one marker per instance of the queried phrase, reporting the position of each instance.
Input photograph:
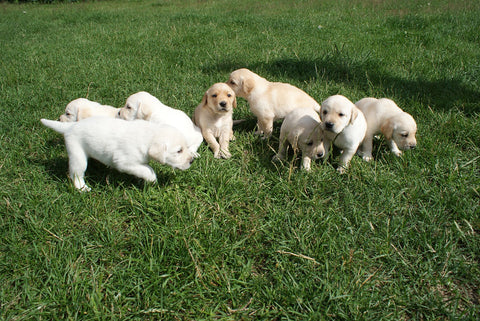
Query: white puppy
(268, 101)
(126, 146)
(344, 125)
(214, 117)
(384, 116)
(303, 130)
(143, 105)
(82, 108)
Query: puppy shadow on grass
(97, 174)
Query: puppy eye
(310, 143)
(180, 151)
(214, 95)
(68, 114)
(324, 112)
(128, 107)
(404, 135)
(232, 82)
(341, 114)
(229, 95)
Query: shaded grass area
(242, 238)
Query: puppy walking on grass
(123, 145)
(303, 130)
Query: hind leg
(78, 161)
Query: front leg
(366, 147)
(265, 126)
(394, 148)
(224, 140)
(306, 163)
(212, 143)
(142, 171)
(345, 159)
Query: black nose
(329, 125)
(320, 155)
(413, 146)
(223, 104)
(191, 161)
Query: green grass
(244, 238)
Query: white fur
(344, 125)
(143, 105)
(303, 130)
(82, 108)
(126, 146)
(384, 116)
(268, 101)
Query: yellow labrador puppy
(214, 116)
(268, 101)
(145, 106)
(344, 125)
(303, 130)
(126, 146)
(384, 116)
(82, 108)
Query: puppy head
(402, 129)
(242, 81)
(220, 99)
(310, 142)
(137, 106)
(76, 110)
(170, 148)
(337, 112)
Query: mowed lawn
(244, 238)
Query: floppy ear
(248, 85)
(354, 115)
(83, 113)
(158, 152)
(234, 102)
(387, 129)
(204, 100)
(144, 111)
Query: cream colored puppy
(82, 108)
(126, 146)
(384, 116)
(143, 105)
(344, 125)
(303, 130)
(268, 101)
(214, 116)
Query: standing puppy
(303, 130)
(143, 105)
(126, 146)
(344, 125)
(268, 101)
(82, 108)
(214, 117)
(384, 116)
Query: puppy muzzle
(329, 126)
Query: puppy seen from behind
(123, 145)
(303, 130)
(214, 116)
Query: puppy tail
(238, 121)
(60, 127)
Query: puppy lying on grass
(303, 130)
(214, 117)
(344, 125)
(143, 105)
(126, 146)
(82, 108)
(384, 116)
(268, 101)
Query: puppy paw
(84, 188)
(225, 154)
(397, 153)
(341, 169)
(367, 158)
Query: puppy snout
(320, 155)
(191, 160)
(223, 104)
(329, 125)
(413, 146)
